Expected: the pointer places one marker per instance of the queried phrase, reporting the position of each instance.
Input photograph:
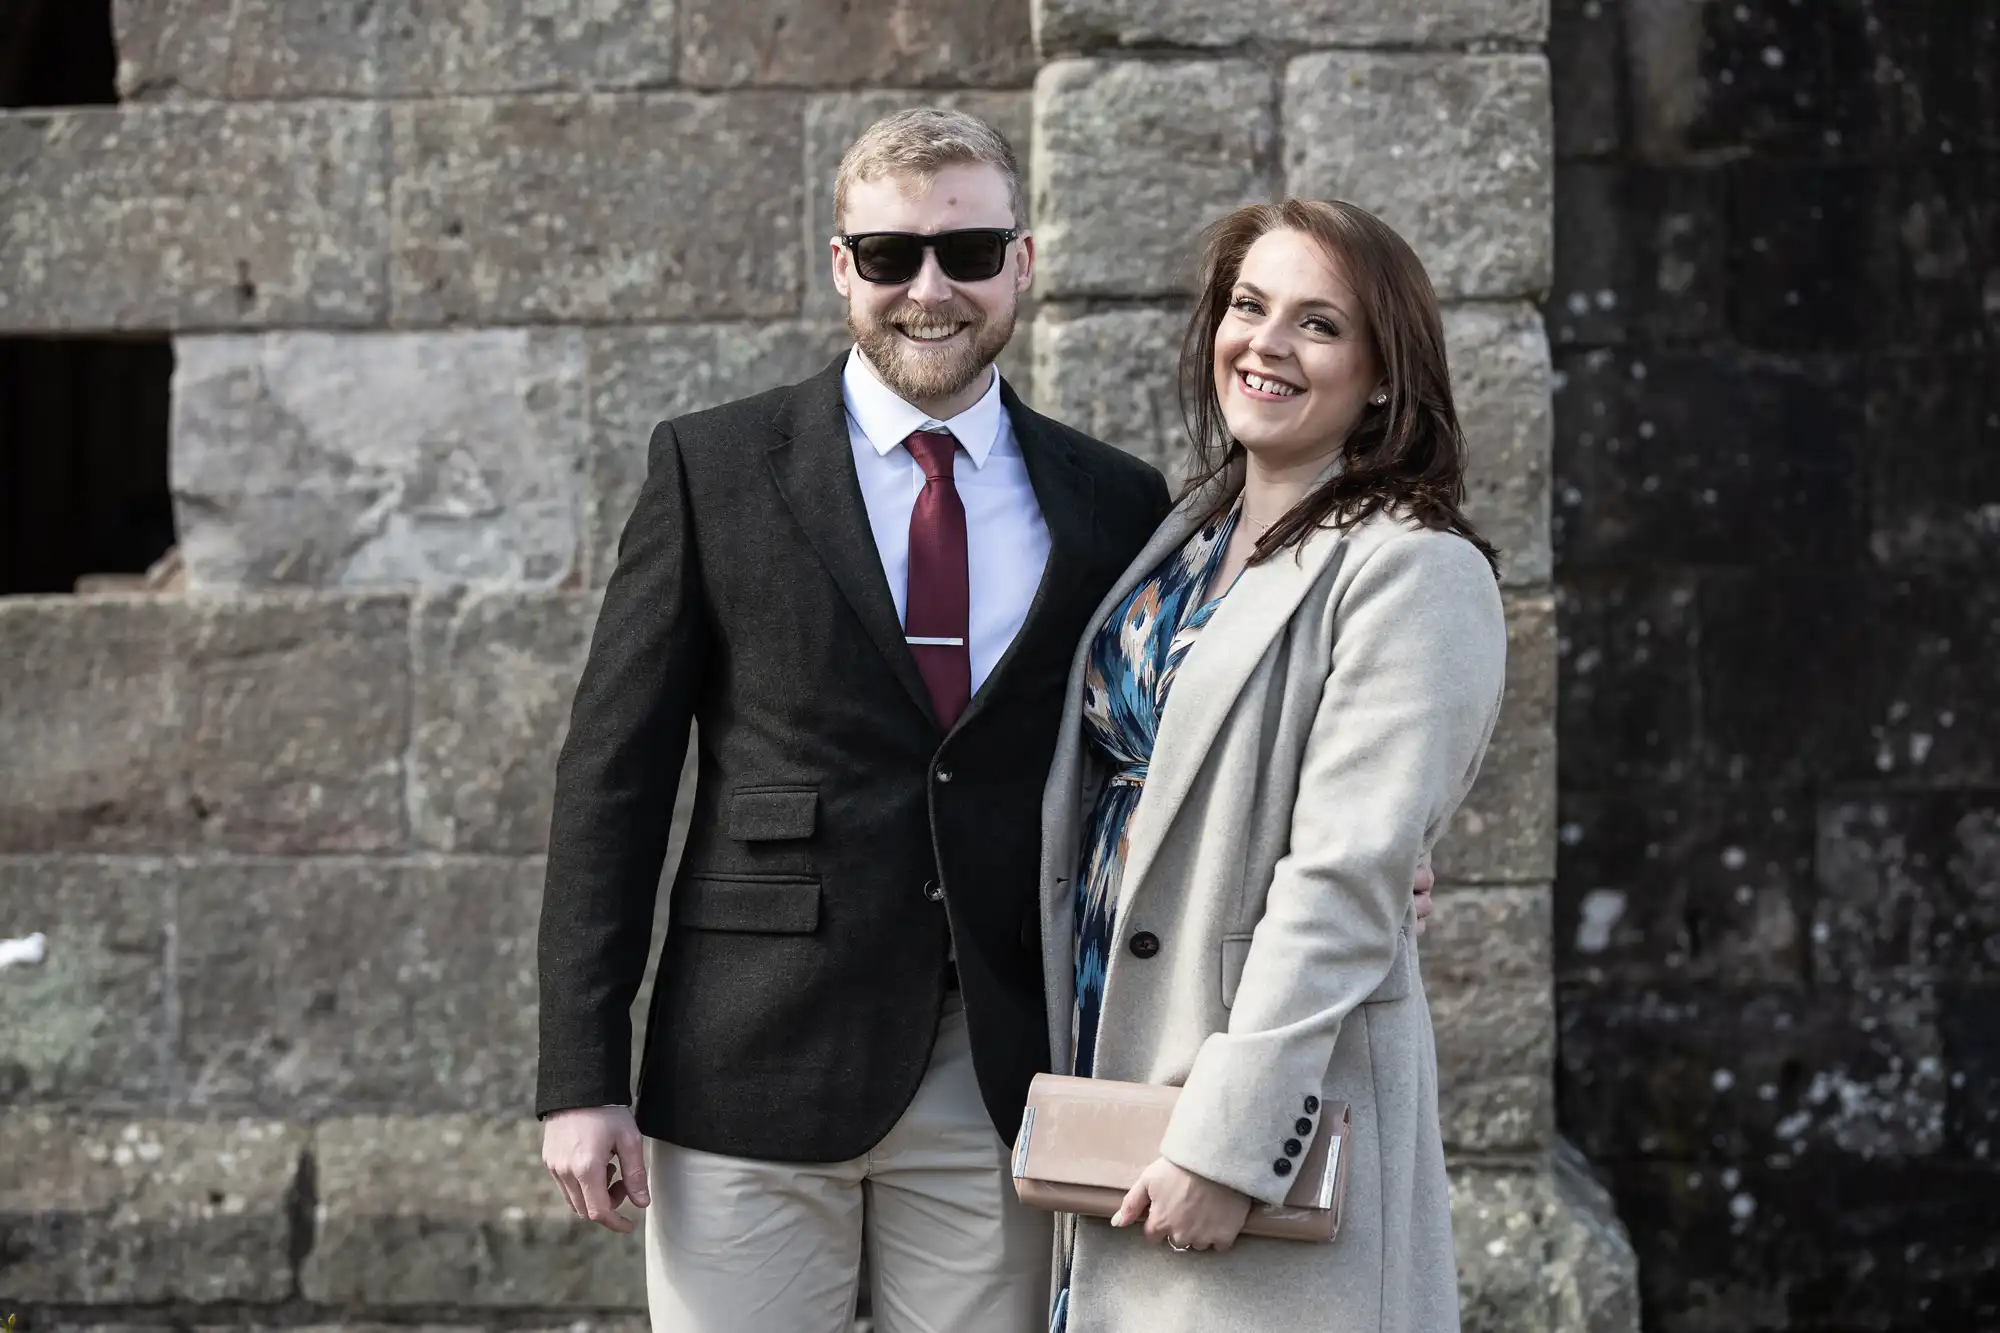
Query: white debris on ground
(29, 949)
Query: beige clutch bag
(1084, 1142)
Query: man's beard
(917, 373)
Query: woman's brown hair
(1407, 456)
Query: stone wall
(432, 272)
(1778, 547)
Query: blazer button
(1293, 1148)
(1312, 1106)
(1303, 1127)
(1283, 1166)
(933, 891)
(1145, 944)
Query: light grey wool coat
(1320, 734)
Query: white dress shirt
(1006, 538)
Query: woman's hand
(1183, 1209)
(1426, 881)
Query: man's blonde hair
(921, 142)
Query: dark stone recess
(1776, 523)
(1886, 1247)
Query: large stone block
(835, 120)
(1133, 159)
(273, 723)
(909, 43)
(1070, 27)
(1500, 382)
(1776, 1074)
(1452, 151)
(359, 984)
(1486, 965)
(330, 459)
(1505, 832)
(257, 49)
(640, 377)
(129, 1211)
(1541, 1249)
(1111, 374)
(596, 208)
(496, 674)
(193, 217)
(88, 1023)
(1909, 889)
(455, 1210)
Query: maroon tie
(939, 603)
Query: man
(867, 589)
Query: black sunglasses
(972, 255)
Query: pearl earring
(1380, 399)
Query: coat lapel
(814, 471)
(1229, 651)
(1067, 498)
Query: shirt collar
(886, 420)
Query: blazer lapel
(1230, 649)
(814, 471)
(1062, 815)
(1067, 498)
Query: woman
(1289, 694)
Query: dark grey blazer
(804, 966)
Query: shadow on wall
(83, 421)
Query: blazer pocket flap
(1396, 985)
(1235, 949)
(769, 814)
(762, 904)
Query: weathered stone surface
(116, 1210)
(909, 43)
(359, 984)
(273, 723)
(1452, 151)
(1487, 973)
(193, 217)
(596, 207)
(1505, 830)
(256, 49)
(1111, 374)
(1540, 1250)
(87, 1024)
(330, 459)
(496, 674)
(1697, 1071)
(1133, 159)
(1070, 27)
(1500, 382)
(1909, 889)
(456, 1210)
(640, 377)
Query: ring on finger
(1177, 1247)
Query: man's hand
(1426, 881)
(578, 1148)
(1187, 1211)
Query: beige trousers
(735, 1245)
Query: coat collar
(813, 467)
(1234, 644)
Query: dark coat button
(1303, 1127)
(1283, 1166)
(933, 891)
(1293, 1148)
(1145, 944)
(1312, 1106)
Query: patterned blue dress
(1132, 666)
